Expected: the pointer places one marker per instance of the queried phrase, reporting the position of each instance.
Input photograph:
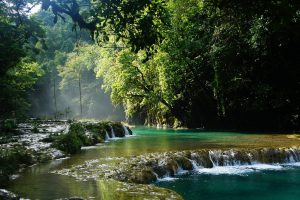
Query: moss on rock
(73, 140)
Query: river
(260, 181)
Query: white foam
(180, 171)
(88, 147)
(167, 178)
(65, 158)
(129, 136)
(296, 164)
(237, 170)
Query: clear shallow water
(37, 183)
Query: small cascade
(217, 161)
(106, 136)
(249, 157)
(168, 165)
(113, 135)
(126, 130)
(294, 156)
(229, 158)
(195, 165)
(210, 153)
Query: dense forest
(214, 64)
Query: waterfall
(249, 157)
(210, 158)
(125, 130)
(195, 164)
(294, 156)
(106, 136)
(229, 158)
(168, 165)
(234, 161)
(113, 135)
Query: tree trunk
(80, 98)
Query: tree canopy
(207, 63)
(136, 22)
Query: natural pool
(270, 184)
(259, 182)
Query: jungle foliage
(209, 63)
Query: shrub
(98, 131)
(8, 126)
(69, 143)
(11, 160)
(73, 140)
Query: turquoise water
(266, 185)
(38, 183)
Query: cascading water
(113, 135)
(125, 130)
(164, 166)
(240, 161)
(216, 161)
(249, 157)
(106, 136)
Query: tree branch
(73, 12)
